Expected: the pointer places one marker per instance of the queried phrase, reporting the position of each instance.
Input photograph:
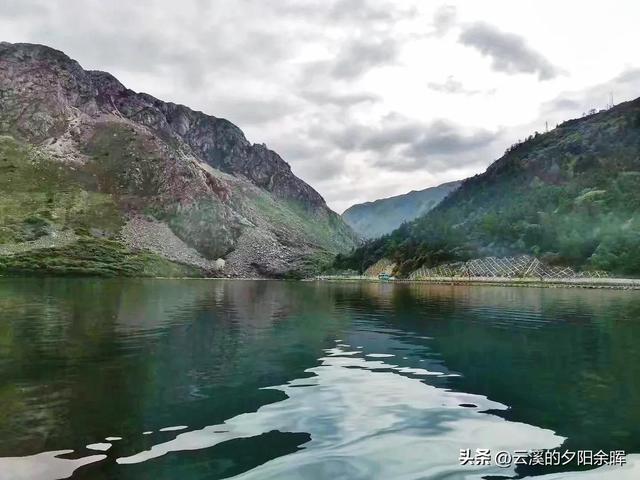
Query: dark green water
(276, 380)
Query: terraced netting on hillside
(523, 266)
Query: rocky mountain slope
(569, 197)
(377, 218)
(98, 179)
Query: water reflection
(405, 429)
(212, 379)
(43, 466)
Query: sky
(363, 98)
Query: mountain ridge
(381, 216)
(156, 162)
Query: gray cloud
(122, 36)
(444, 19)
(344, 100)
(389, 137)
(359, 56)
(361, 11)
(314, 157)
(221, 69)
(452, 86)
(565, 104)
(354, 12)
(441, 146)
(360, 137)
(20, 8)
(444, 138)
(245, 111)
(401, 144)
(328, 169)
(509, 52)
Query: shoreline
(575, 282)
(588, 283)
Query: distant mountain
(98, 179)
(570, 196)
(377, 218)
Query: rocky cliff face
(374, 219)
(92, 158)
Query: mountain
(570, 197)
(377, 218)
(98, 179)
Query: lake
(206, 379)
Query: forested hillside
(570, 197)
(377, 218)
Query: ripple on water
(173, 429)
(101, 447)
(408, 429)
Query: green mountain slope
(374, 219)
(98, 179)
(570, 196)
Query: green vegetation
(327, 232)
(37, 195)
(571, 197)
(123, 162)
(93, 257)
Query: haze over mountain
(117, 182)
(570, 196)
(377, 218)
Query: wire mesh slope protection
(521, 266)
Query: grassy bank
(92, 257)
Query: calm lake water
(199, 379)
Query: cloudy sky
(364, 98)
